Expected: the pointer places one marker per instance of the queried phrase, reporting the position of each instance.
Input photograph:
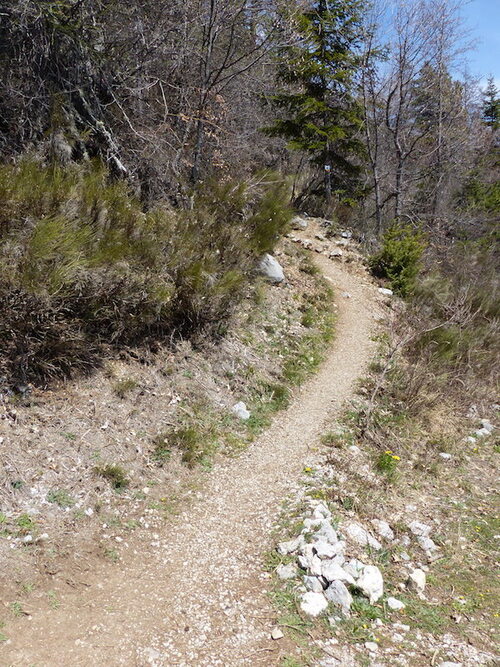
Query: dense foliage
(84, 268)
(319, 112)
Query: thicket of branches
(361, 104)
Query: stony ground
(406, 580)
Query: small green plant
(278, 396)
(60, 497)
(124, 386)
(27, 587)
(399, 258)
(333, 439)
(54, 602)
(16, 608)
(3, 637)
(290, 661)
(115, 474)
(308, 266)
(162, 451)
(387, 463)
(189, 441)
(25, 523)
(307, 319)
(111, 554)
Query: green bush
(115, 475)
(399, 258)
(85, 269)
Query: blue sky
(483, 17)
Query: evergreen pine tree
(319, 110)
(491, 105)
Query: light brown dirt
(195, 594)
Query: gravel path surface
(197, 595)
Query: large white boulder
(332, 571)
(361, 536)
(271, 269)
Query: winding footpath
(199, 598)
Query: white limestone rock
(271, 269)
(395, 604)
(332, 571)
(338, 594)
(416, 581)
(286, 571)
(359, 535)
(419, 529)
(383, 529)
(371, 583)
(313, 584)
(313, 604)
(240, 411)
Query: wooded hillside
(151, 151)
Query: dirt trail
(197, 596)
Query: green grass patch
(60, 497)
(124, 386)
(115, 475)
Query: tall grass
(83, 267)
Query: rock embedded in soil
(395, 604)
(383, 529)
(338, 594)
(299, 223)
(313, 604)
(427, 545)
(487, 425)
(240, 411)
(276, 634)
(361, 536)
(271, 269)
(371, 583)
(416, 581)
(419, 529)
(371, 646)
(286, 571)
